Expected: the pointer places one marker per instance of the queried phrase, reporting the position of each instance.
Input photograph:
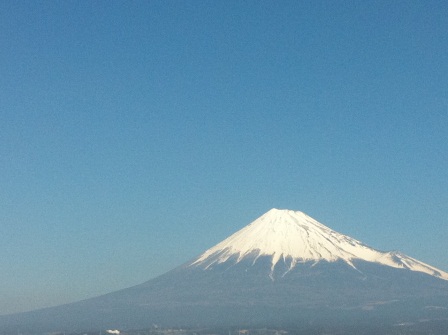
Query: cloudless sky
(134, 135)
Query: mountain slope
(283, 270)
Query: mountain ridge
(283, 233)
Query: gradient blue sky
(135, 135)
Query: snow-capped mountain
(294, 237)
(284, 269)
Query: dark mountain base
(312, 298)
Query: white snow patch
(285, 233)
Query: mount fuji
(286, 270)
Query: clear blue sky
(134, 135)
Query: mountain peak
(285, 234)
(230, 286)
